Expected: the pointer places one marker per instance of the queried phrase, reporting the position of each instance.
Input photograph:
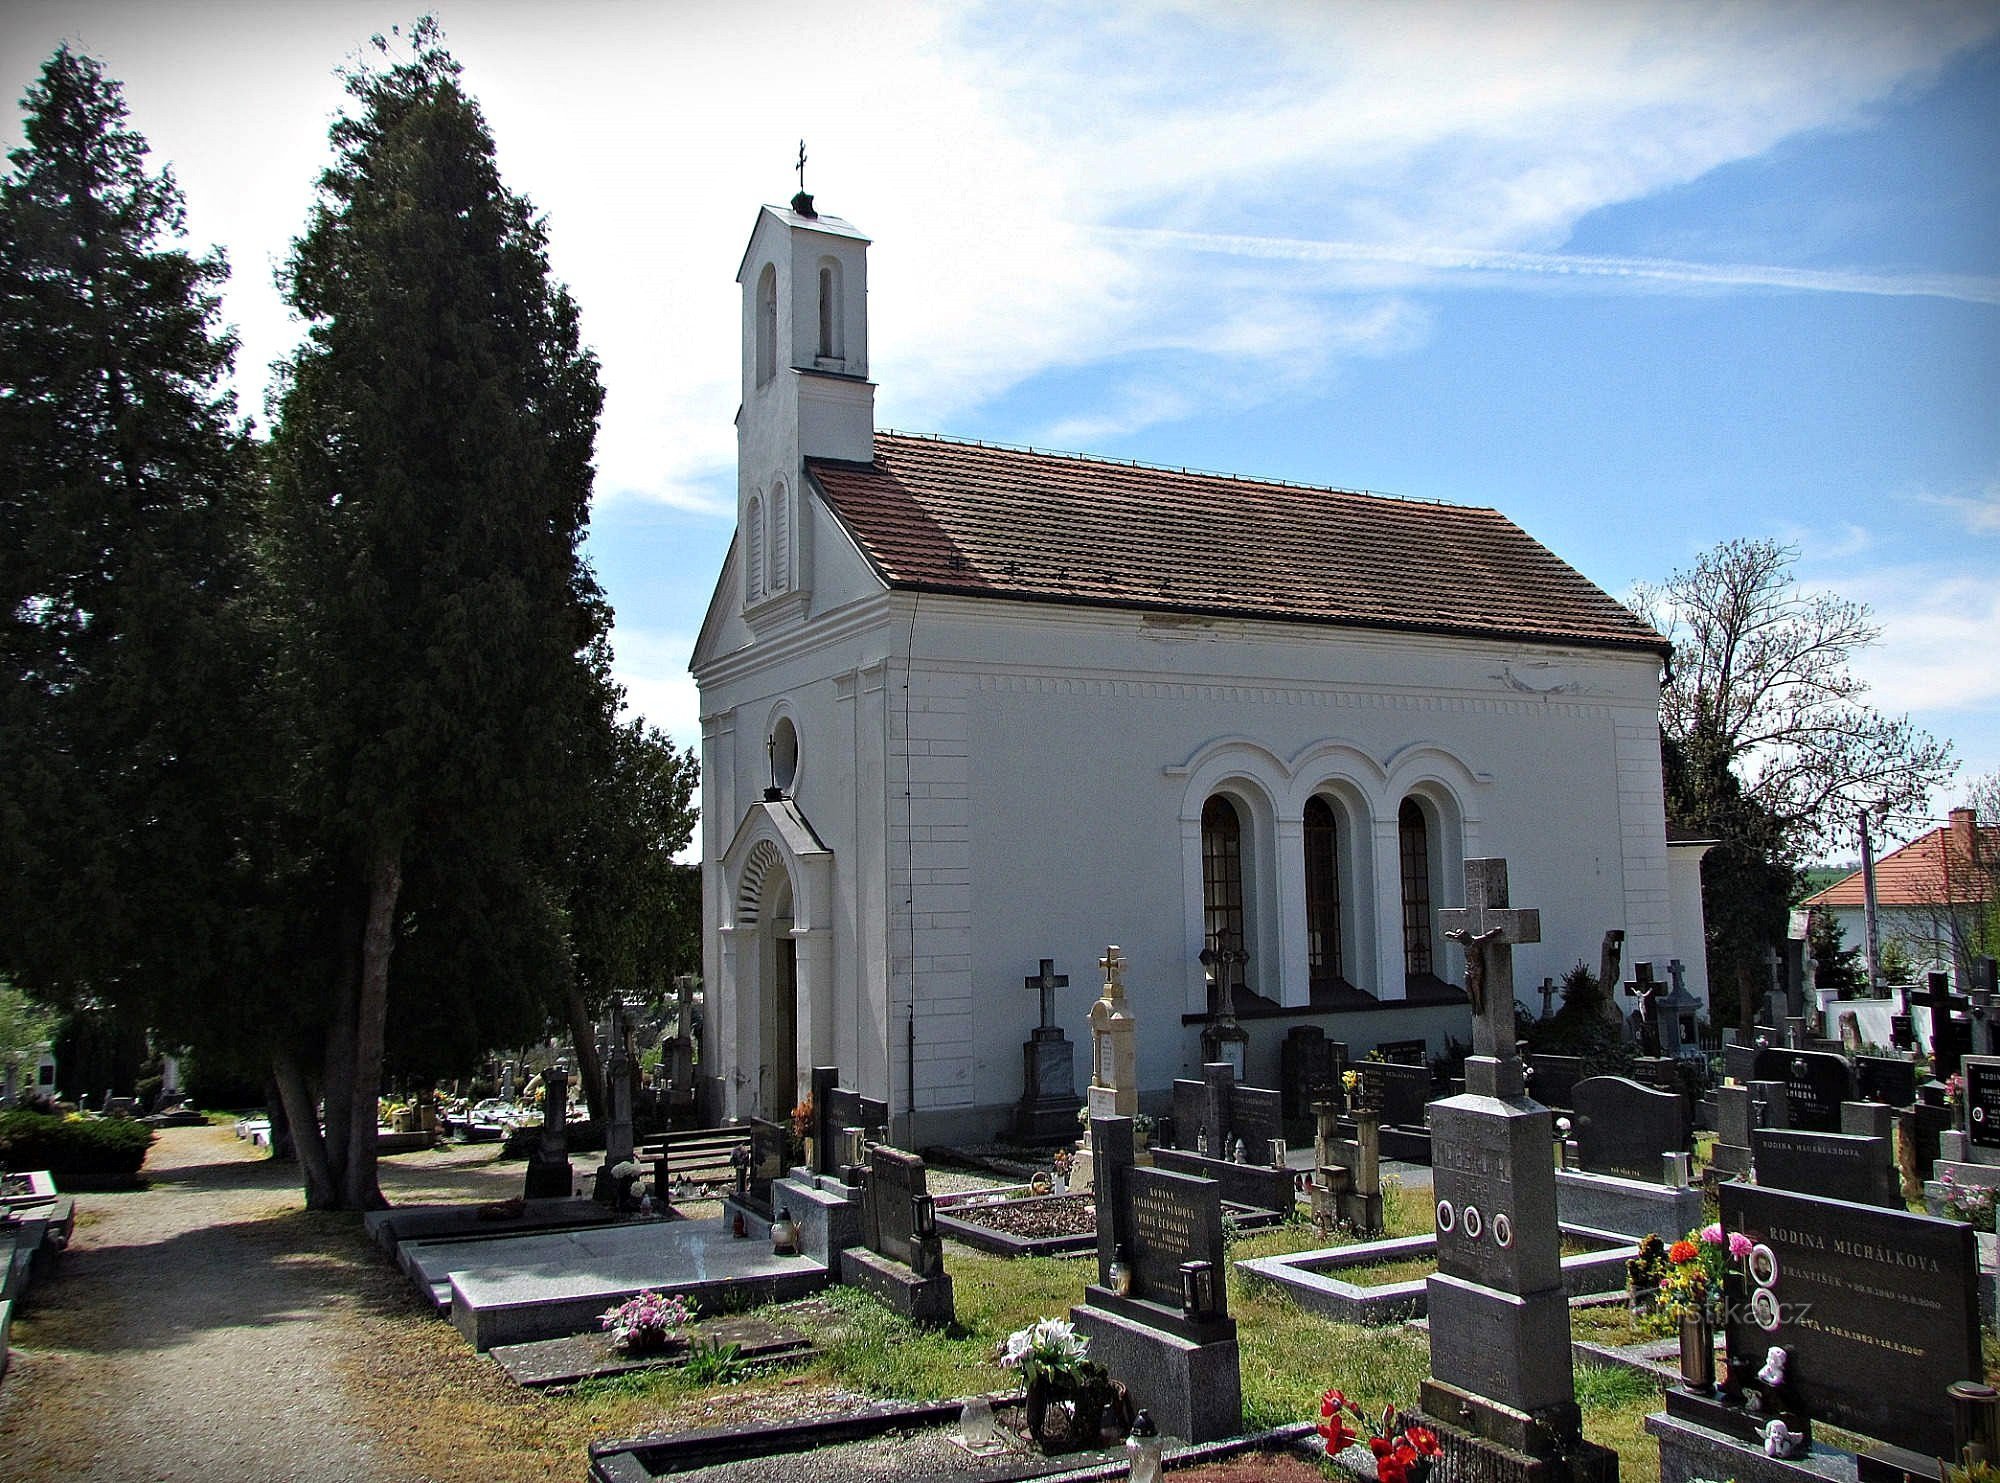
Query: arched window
(1413, 832)
(753, 549)
(767, 323)
(781, 540)
(1222, 873)
(829, 309)
(1323, 961)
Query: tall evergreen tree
(124, 492)
(431, 476)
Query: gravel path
(190, 1335)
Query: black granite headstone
(1982, 1104)
(1400, 1090)
(1625, 1129)
(1815, 1085)
(1839, 1166)
(1887, 1079)
(1877, 1309)
(1555, 1079)
(1309, 1067)
(836, 1109)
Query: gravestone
(1737, 1112)
(680, 1047)
(1625, 1129)
(1404, 1052)
(1049, 1102)
(618, 1146)
(1555, 1079)
(1739, 1061)
(1631, 1171)
(1309, 1067)
(836, 1110)
(549, 1173)
(1402, 1093)
(1212, 1117)
(900, 1257)
(1967, 1130)
(1500, 1394)
(1114, 1063)
(1680, 1012)
(758, 1163)
(1644, 1021)
(1877, 1310)
(1347, 1172)
(1222, 1038)
(1167, 1335)
(1840, 1166)
(1890, 1080)
(1815, 1082)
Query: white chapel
(967, 707)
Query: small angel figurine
(1773, 1373)
(1780, 1440)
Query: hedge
(73, 1149)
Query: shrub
(74, 1150)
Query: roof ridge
(1068, 456)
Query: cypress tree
(124, 500)
(431, 475)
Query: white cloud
(1049, 186)
(1978, 511)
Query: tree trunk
(281, 1120)
(583, 1035)
(337, 1074)
(371, 1015)
(322, 1190)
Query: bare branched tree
(1761, 683)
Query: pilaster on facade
(1643, 843)
(930, 885)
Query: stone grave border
(1305, 1275)
(1002, 1243)
(546, 1363)
(643, 1459)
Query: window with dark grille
(1322, 892)
(1416, 848)
(1222, 873)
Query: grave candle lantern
(923, 1215)
(784, 1233)
(1277, 1153)
(1118, 1276)
(1197, 1289)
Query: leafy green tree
(431, 476)
(25, 1027)
(125, 497)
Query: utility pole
(1871, 940)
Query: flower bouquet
(1404, 1451)
(1691, 1285)
(1067, 1394)
(647, 1323)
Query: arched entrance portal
(775, 999)
(780, 1078)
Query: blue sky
(1646, 278)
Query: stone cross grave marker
(1625, 1129)
(1499, 1314)
(1114, 1063)
(835, 1110)
(1548, 993)
(1816, 1082)
(1948, 1034)
(1488, 929)
(1045, 983)
(1877, 1309)
(1048, 1105)
(549, 1172)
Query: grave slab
(1630, 1207)
(548, 1286)
(389, 1228)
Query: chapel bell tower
(806, 392)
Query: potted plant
(1691, 1295)
(648, 1323)
(1061, 1383)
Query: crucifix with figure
(1489, 930)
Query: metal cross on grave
(1113, 964)
(1489, 930)
(1048, 981)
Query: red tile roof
(1925, 872)
(942, 516)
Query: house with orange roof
(1933, 895)
(968, 707)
